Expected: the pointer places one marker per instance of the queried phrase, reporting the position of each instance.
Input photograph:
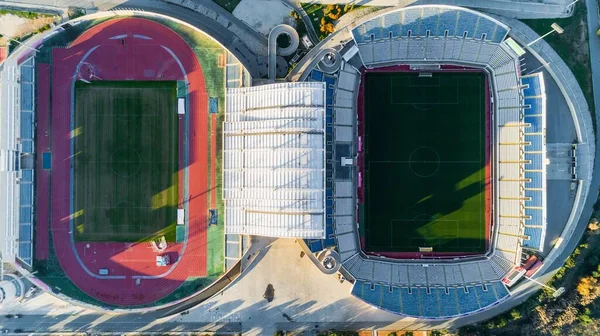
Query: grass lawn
(572, 46)
(126, 161)
(425, 162)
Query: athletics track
(488, 164)
(129, 49)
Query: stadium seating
(535, 152)
(26, 136)
(424, 32)
(431, 302)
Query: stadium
(116, 165)
(410, 153)
(438, 172)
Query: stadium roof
(274, 160)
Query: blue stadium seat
(391, 25)
(26, 96)
(536, 178)
(429, 21)
(501, 291)
(25, 251)
(25, 232)
(536, 198)
(447, 22)
(372, 30)
(429, 303)
(448, 302)
(535, 142)
(535, 106)
(27, 125)
(467, 22)
(535, 124)
(27, 146)
(410, 302)
(486, 297)
(373, 295)
(26, 74)
(467, 301)
(317, 75)
(315, 245)
(485, 27)
(500, 34)
(25, 215)
(391, 300)
(27, 175)
(536, 216)
(535, 237)
(535, 161)
(411, 22)
(26, 194)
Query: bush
(515, 314)
(585, 317)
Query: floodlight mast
(555, 292)
(23, 44)
(555, 28)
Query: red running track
(488, 162)
(129, 49)
(42, 214)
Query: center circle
(424, 161)
(284, 40)
(125, 161)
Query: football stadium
(410, 153)
(437, 161)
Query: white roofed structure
(274, 160)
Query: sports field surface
(126, 161)
(425, 161)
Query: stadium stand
(535, 152)
(16, 149)
(340, 110)
(273, 174)
(26, 180)
(431, 302)
(429, 33)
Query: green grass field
(425, 162)
(126, 161)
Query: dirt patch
(16, 26)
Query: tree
(586, 285)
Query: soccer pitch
(425, 162)
(125, 159)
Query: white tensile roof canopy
(274, 160)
